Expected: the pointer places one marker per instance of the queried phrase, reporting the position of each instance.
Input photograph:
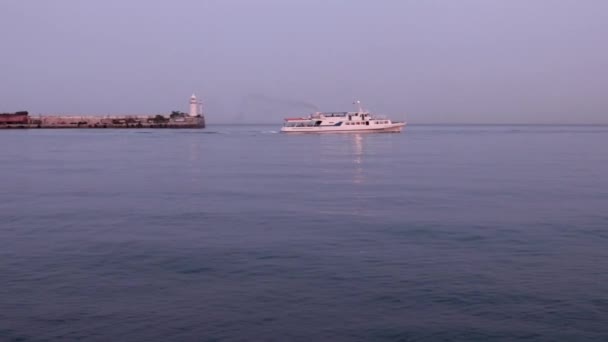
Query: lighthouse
(193, 106)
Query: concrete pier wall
(108, 121)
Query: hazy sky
(458, 61)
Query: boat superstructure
(336, 122)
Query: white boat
(336, 122)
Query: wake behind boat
(337, 122)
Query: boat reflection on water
(358, 176)
(348, 150)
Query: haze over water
(466, 61)
(234, 233)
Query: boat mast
(358, 105)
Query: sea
(242, 233)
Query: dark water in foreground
(235, 233)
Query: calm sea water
(237, 233)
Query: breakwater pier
(176, 119)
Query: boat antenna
(358, 103)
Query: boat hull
(392, 128)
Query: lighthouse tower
(193, 106)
